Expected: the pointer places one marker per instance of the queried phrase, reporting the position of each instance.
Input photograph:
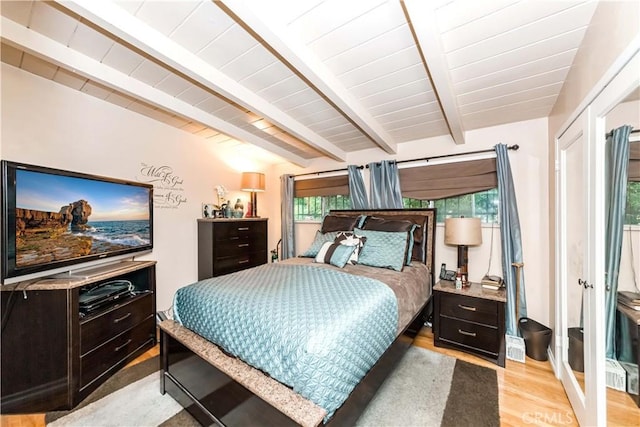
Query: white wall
(47, 124)
(530, 174)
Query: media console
(54, 354)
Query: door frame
(617, 83)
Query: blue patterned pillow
(334, 254)
(386, 249)
(319, 240)
(347, 238)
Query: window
(314, 208)
(483, 205)
(632, 211)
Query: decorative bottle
(459, 279)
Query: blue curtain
(511, 238)
(357, 192)
(384, 185)
(616, 176)
(288, 249)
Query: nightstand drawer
(470, 334)
(467, 308)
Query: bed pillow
(348, 238)
(339, 223)
(382, 224)
(335, 254)
(318, 241)
(386, 249)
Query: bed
(324, 363)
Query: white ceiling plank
(121, 24)
(316, 73)
(421, 16)
(56, 53)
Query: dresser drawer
(224, 265)
(119, 318)
(253, 230)
(467, 308)
(240, 246)
(473, 335)
(109, 354)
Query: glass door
(576, 241)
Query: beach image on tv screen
(62, 217)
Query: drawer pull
(243, 245)
(117, 349)
(120, 319)
(243, 261)
(466, 307)
(243, 228)
(469, 334)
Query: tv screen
(54, 218)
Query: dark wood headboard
(424, 236)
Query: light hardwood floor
(529, 394)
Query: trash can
(536, 338)
(576, 349)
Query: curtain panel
(328, 186)
(384, 185)
(286, 216)
(511, 239)
(433, 182)
(616, 173)
(357, 191)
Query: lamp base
(252, 209)
(463, 261)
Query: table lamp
(463, 232)
(253, 182)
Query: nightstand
(470, 319)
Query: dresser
(54, 355)
(228, 245)
(470, 319)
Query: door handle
(584, 284)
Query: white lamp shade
(462, 231)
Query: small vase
(239, 206)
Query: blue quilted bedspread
(316, 330)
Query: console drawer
(473, 335)
(101, 328)
(109, 354)
(468, 308)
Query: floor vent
(616, 375)
(515, 348)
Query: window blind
(433, 182)
(329, 186)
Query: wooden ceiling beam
(42, 47)
(421, 16)
(118, 22)
(307, 66)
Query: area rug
(425, 389)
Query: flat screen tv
(55, 218)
